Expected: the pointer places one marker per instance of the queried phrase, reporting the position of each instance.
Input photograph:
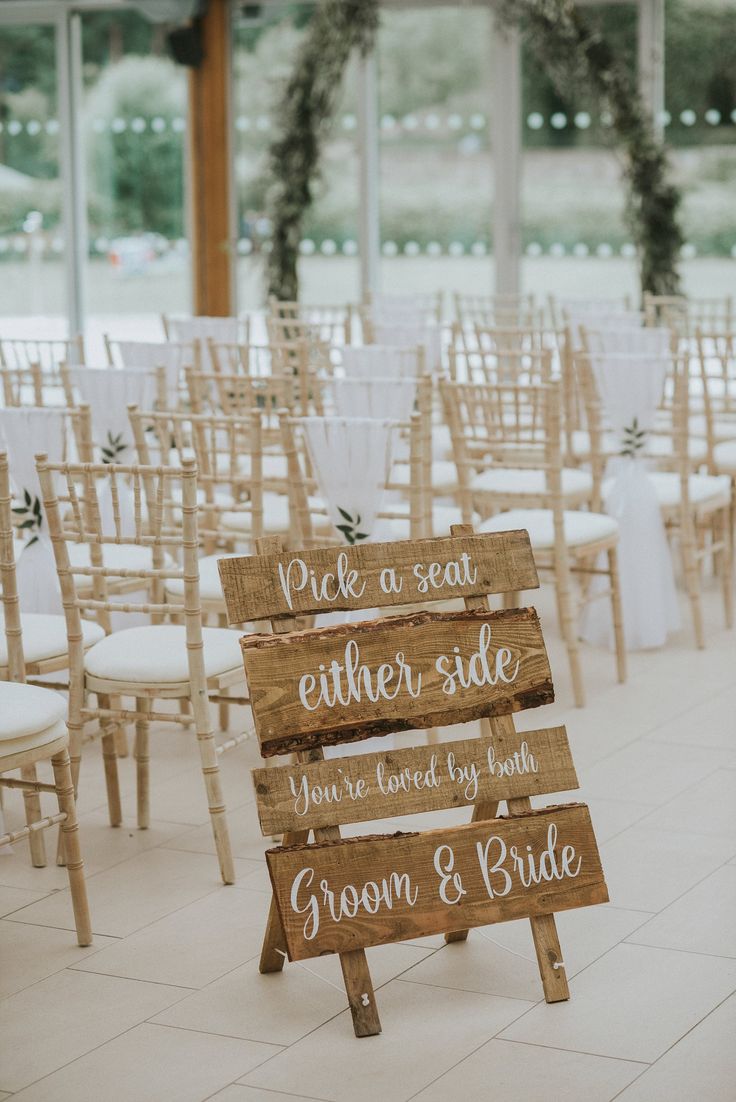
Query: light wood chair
(696, 507)
(30, 369)
(521, 452)
(238, 359)
(201, 328)
(334, 323)
(684, 314)
(157, 661)
(716, 354)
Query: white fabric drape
(630, 389)
(387, 361)
(149, 355)
(408, 334)
(379, 399)
(26, 431)
(226, 330)
(601, 319)
(351, 457)
(626, 341)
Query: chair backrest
(105, 393)
(370, 360)
(239, 359)
(619, 341)
(201, 328)
(16, 670)
(31, 369)
(517, 356)
(361, 475)
(171, 356)
(716, 355)
(333, 322)
(505, 425)
(229, 454)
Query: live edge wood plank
(276, 665)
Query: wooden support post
(210, 168)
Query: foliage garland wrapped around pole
(565, 45)
(307, 106)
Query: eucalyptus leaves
(350, 529)
(633, 439)
(32, 515)
(114, 448)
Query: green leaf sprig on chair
(32, 515)
(114, 448)
(350, 528)
(634, 439)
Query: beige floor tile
(281, 1007)
(31, 953)
(711, 724)
(424, 1035)
(632, 1004)
(151, 1064)
(67, 1015)
(610, 817)
(192, 946)
(135, 893)
(477, 965)
(245, 835)
(12, 899)
(701, 921)
(708, 808)
(649, 773)
(181, 798)
(701, 1066)
(647, 869)
(237, 1092)
(527, 1073)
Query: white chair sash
(408, 334)
(380, 399)
(226, 330)
(108, 392)
(629, 389)
(386, 360)
(625, 341)
(148, 355)
(351, 457)
(26, 431)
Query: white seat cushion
(580, 528)
(513, 480)
(44, 636)
(29, 717)
(724, 455)
(157, 654)
(276, 516)
(441, 442)
(442, 517)
(704, 489)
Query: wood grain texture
(385, 784)
(358, 892)
(415, 652)
(269, 586)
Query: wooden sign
(390, 783)
(333, 579)
(344, 683)
(339, 896)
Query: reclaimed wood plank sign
(327, 686)
(337, 896)
(426, 669)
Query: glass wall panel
(135, 104)
(434, 67)
(33, 301)
(266, 40)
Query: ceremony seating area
(367, 551)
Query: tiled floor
(168, 1005)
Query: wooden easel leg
(361, 997)
(274, 943)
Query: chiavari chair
(156, 661)
(333, 323)
(31, 369)
(716, 354)
(516, 428)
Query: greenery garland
(573, 53)
(307, 106)
(565, 45)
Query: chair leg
(70, 835)
(142, 762)
(32, 803)
(121, 733)
(617, 614)
(216, 803)
(75, 761)
(692, 580)
(568, 627)
(110, 761)
(726, 566)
